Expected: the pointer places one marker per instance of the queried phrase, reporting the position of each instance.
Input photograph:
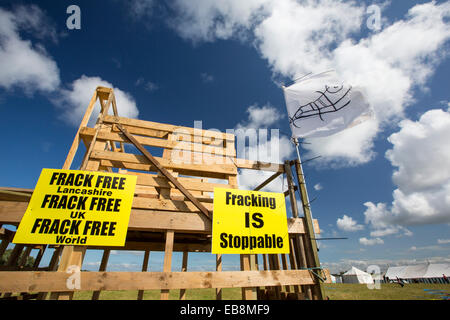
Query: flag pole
(309, 225)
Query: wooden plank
(167, 127)
(144, 269)
(160, 246)
(248, 293)
(31, 281)
(258, 165)
(76, 141)
(190, 171)
(184, 269)
(150, 220)
(88, 133)
(8, 195)
(291, 189)
(175, 195)
(193, 184)
(167, 265)
(167, 174)
(219, 269)
(103, 264)
(170, 205)
(269, 180)
(188, 167)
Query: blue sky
(223, 63)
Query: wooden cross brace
(165, 173)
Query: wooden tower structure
(172, 212)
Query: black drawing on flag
(332, 99)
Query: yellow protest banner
(249, 222)
(72, 207)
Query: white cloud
(347, 223)
(23, 64)
(370, 242)
(199, 20)
(349, 147)
(34, 20)
(260, 117)
(443, 241)
(297, 37)
(75, 100)
(274, 150)
(318, 187)
(422, 174)
(263, 145)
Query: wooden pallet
(177, 169)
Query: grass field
(391, 291)
(333, 291)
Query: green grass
(333, 291)
(391, 291)
(193, 294)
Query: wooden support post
(297, 249)
(51, 267)
(25, 255)
(39, 256)
(71, 256)
(218, 268)
(144, 269)
(13, 261)
(167, 259)
(3, 246)
(184, 269)
(74, 255)
(310, 242)
(247, 293)
(103, 264)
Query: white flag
(321, 105)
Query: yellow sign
(72, 207)
(249, 222)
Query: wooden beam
(144, 269)
(219, 269)
(167, 127)
(167, 266)
(151, 220)
(76, 141)
(103, 264)
(88, 133)
(194, 184)
(265, 183)
(166, 173)
(31, 281)
(184, 269)
(196, 168)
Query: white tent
(394, 272)
(332, 278)
(354, 275)
(414, 272)
(420, 272)
(435, 273)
